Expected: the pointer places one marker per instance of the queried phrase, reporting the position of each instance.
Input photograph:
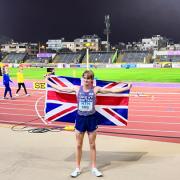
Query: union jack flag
(111, 109)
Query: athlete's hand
(129, 85)
(46, 76)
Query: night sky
(131, 20)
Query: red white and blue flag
(111, 109)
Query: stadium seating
(67, 58)
(174, 58)
(134, 57)
(99, 57)
(14, 58)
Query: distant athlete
(50, 71)
(6, 81)
(1, 67)
(20, 81)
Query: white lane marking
(155, 116)
(151, 122)
(19, 104)
(156, 93)
(23, 123)
(22, 109)
(37, 101)
(165, 109)
(15, 114)
(149, 106)
(152, 102)
(129, 129)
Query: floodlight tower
(107, 30)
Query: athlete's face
(87, 80)
(20, 69)
(6, 70)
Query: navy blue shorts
(86, 123)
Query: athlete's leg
(19, 87)
(79, 141)
(5, 91)
(23, 85)
(92, 144)
(10, 92)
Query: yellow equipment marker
(69, 128)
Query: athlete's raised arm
(113, 90)
(59, 88)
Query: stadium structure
(90, 51)
(149, 53)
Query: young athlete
(20, 81)
(6, 80)
(85, 119)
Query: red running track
(154, 114)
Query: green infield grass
(132, 74)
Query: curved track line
(37, 101)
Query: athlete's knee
(92, 145)
(79, 145)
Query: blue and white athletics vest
(86, 102)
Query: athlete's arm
(113, 90)
(59, 88)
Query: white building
(92, 40)
(55, 44)
(69, 45)
(156, 42)
(14, 48)
(173, 46)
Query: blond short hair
(89, 73)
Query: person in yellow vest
(1, 69)
(20, 81)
